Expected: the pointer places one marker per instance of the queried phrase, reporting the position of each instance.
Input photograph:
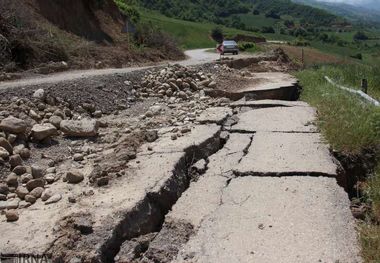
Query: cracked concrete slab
(287, 153)
(282, 220)
(214, 115)
(225, 160)
(278, 119)
(203, 196)
(270, 80)
(165, 144)
(200, 200)
(267, 103)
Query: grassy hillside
(307, 14)
(189, 34)
(356, 14)
(227, 12)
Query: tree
(272, 14)
(268, 30)
(360, 36)
(217, 34)
(289, 23)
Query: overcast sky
(355, 2)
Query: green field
(190, 35)
(257, 21)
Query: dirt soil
(60, 35)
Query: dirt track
(195, 57)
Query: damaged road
(186, 176)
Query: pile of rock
(25, 185)
(36, 120)
(175, 82)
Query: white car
(230, 46)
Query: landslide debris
(53, 136)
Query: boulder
(81, 128)
(13, 125)
(24, 204)
(11, 215)
(6, 145)
(56, 121)
(37, 192)
(15, 160)
(47, 194)
(12, 180)
(19, 170)
(30, 199)
(74, 177)
(43, 131)
(25, 153)
(32, 184)
(3, 153)
(54, 199)
(39, 94)
(78, 157)
(37, 171)
(21, 192)
(4, 189)
(26, 178)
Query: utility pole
(364, 86)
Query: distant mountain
(362, 12)
(226, 11)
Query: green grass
(257, 21)
(350, 75)
(348, 124)
(370, 232)
(190, 35)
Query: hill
(227, 12)
(363, 15)
(84, 33)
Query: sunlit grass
(348, 123)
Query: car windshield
(229, 43)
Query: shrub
(272, 14)
(357, 56)
(289, 23)
(149, 36)
(268, 30)
(360, 36)
(217, 34)
(129, 11)
(243, 46)
(300, 43)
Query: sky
(355, 2)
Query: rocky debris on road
(74, 177)
(13, 125)
(43, 131)
(11, 215)
(50, 139)
(79, 128)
